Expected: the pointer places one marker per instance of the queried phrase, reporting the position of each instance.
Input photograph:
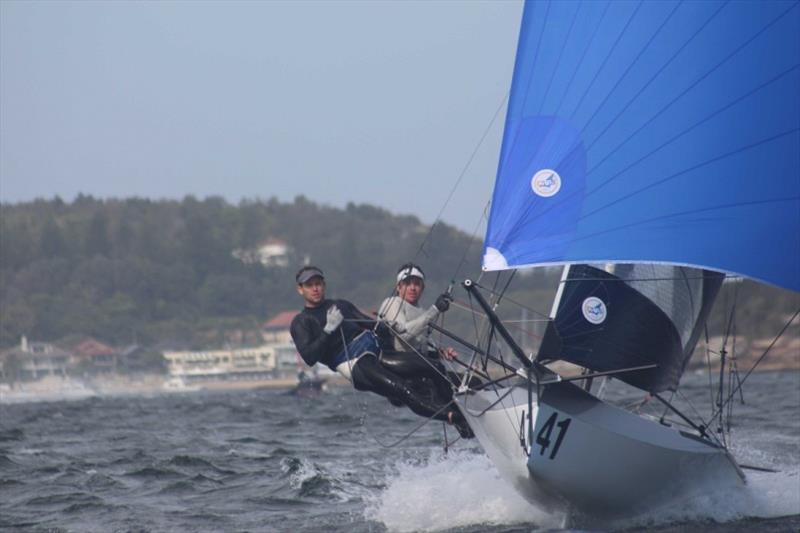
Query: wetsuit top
(410, 321)
(316, 346)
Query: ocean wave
(190, 486)
(102, 482)
(339, 419)
(317, 485)
(190, 461)
(11, 434)
(312, 480)
(245, 440)
(280, 452)
(83, 507)
(291, 465)
(154, 472)
(288, 423)
(5, 461)
(55, 500)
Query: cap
(306, 273)
(410, 272)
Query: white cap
(410, 272)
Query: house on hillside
(139, 359)
(270, 253)
(276, 329)
(94, 357)
(31, 361)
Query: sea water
(343, 461)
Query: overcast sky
(370, 102)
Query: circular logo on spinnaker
(594, 310)
(546, 183)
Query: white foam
(766, 495)
(774, 494)
(464, 489)
(456, 490)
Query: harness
(363, 344)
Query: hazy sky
(373, 102)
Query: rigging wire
(708, 368)
(761, 358)
(483, 217)
(732, 365)
(416, 428)
(722, 443)
(462, 174)
(518, 304)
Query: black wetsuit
(405, 380)
(316, 346)
(411, 365)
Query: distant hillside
(188, 272)
(144, 270)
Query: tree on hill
(154, 270)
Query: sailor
(413, 354)
(404, 315)
(337, 334)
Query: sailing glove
(443, 302)
(333, 320)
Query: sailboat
(652, 150)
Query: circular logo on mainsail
(594, 310)
(546, 183)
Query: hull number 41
(546, 431)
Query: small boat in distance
(309, 386)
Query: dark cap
(308, 272)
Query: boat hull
(596, 458)
(500, 426)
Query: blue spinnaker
(663, 132)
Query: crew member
(413, 353)
(337, 334)
(404, 315)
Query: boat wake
(452, 491)
(464, 490)
(766, 495)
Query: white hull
(497, 426)
(594, 457)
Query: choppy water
(265, 461)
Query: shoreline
(51, 389)
(54, 389)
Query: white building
(31, 361)
(270, 253)
(220, 365)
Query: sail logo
(546, 183)
(594, 310)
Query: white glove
(333, 320)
